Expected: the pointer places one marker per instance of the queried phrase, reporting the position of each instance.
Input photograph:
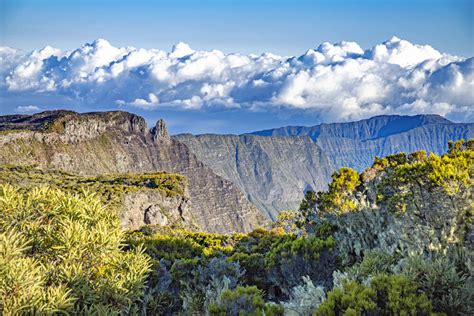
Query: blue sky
(247, 26)
(199, 90)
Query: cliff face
(274, 172)
(119, 142)
(151, 207)
(355, 144)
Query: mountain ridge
(354, 144)
(120, 142)
(314, 130)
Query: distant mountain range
(270, 169)
(274, 167)
(354, 144)
(273, 172)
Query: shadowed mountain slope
(274, 172)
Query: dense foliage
(394, 240)
(62, 253)
(194, 270)
(408, 216)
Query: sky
(348, 64)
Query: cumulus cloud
(339, 81)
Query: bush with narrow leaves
(62, 253)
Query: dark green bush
(446, 280)
(244, 301)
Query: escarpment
(274, 172)
(92, 144)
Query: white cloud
(148, 103)
(340, 81)
(403, 53)
(27, 109)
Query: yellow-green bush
(62, 252)
(337, 199)
(386, 295)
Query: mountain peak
(160, 132)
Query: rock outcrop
(274, 172)
(160, 132)
(152, 208)
(120, 142)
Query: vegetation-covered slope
(149, 198)
(393, 240)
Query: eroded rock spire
(160, 132)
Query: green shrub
(68, 248)
(353, 299)
(446, 280)
(386, 295)
(288, 261)
(243, 301)
(337, 199)
(374, 262)
(304, 299)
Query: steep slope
(274, 172)
(118, 142)
(354, 144)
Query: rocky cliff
(118, 142)
(355, 144)
(274, 172)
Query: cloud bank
(338, 81)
